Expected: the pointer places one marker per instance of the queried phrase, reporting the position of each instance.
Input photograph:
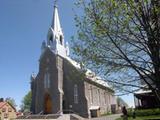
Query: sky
(23, 26)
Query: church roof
(141, 91)
(90, 74)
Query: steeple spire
(56, 26)
(55, 37)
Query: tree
(11, 101)
(120, 40)
(26, 102)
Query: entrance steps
(51, 117)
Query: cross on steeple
(55, 2)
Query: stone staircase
(38, 117)
(50, 117)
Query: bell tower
(47, 87)
(55, 37)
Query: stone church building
(59, 87)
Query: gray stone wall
(63, 77)
(47, 63)
(73, 77)
(99, 96)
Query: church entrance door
(47, 104)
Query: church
(59, 86)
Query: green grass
(143, 118)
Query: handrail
(40, 112)
(28, 115)
(58, 113)
(51, 115)
(69, 110)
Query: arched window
(105, 98)
(61, 40)
(47, 80)
(91, 94)
(75, 94)
(51, 38)
(99, 96)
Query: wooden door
(48, 104)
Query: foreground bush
(144, 112)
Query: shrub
(144, 112)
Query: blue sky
(23, 26)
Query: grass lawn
(157, 117)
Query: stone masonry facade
(63, 77)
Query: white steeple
(55, 37)
(56, 22)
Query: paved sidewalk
(108, 117)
